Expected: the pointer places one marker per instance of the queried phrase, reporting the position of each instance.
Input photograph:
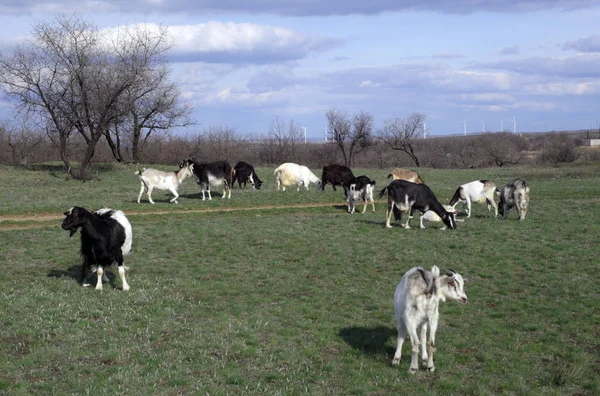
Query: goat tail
(435, 271)
(139, 171)
(390, 176)
(382, 192)
(497, 191)
(456, 197)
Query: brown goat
(406, 174)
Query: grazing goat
(217, 173)
(430, 215)
(336, 175)
(406, 174)
(243, 172)
(152, 178)
(360, 187)
(478, 191)
(514, 194)
(416, 303)
(106, 236)
(290, 174)
(404, 196)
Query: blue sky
(241, 64)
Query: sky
(477, 63)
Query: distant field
(296, 300)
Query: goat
(289, 174)
(360, 187)
(215, 173)
(478, 191)
(106, 236)
(514, 194)
(416, 303)
(152, 178)
(430, 215)
(243, 172)
(404, 196)
(406, 174)
(336, 175)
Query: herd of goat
(106, 234)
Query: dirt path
(41, 220)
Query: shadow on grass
(74, 272)
(370, 340)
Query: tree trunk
(85, 171)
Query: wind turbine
(514, 125)
(483, 124)
(304, 134)
(465, 127)
(501, 125)
(424, 130)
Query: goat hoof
(431, 369)
(413, 370)
(395, 362)
(86, 285)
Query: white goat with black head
(152, 178)
(106, 236)
(416, 303)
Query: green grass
(298, 301)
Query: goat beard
(72, 231)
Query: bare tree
(222, 142)
(400, 134)
(154, 105)
(285, 139)
(72, 77)
(502, 148)
(351, 136)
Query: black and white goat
(243, 172)
(514, 195)
(360, 187)
(416, 303)
(106, 236)
(152, 178)
(404, 196)
(216, 173)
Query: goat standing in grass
(478, 191)
(106, 236)
(152, 178)
(416, 303)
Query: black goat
(106, 236)
(243, 172)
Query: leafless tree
(72, 77)
(152, 106)
(502, 148)
(351, 136)
(222, 142)
(400, 134)
(285, 139)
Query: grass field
(296, 300)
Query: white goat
(416, 303)
(478, 191)
(430, 215)
(289, 174)
(152, 178)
